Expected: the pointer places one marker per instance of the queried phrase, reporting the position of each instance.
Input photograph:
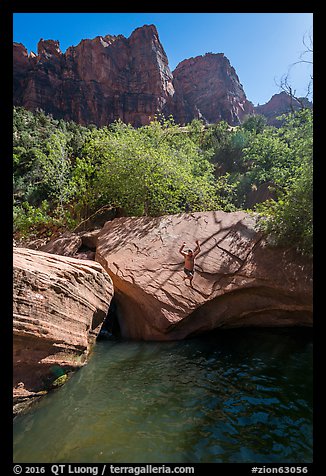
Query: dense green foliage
(64, 172)
(153, 170)
(289, 219)
(44, 156)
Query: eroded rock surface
(208, 87)
(239, 280)
(112, 77)
(281, 103)
(98, 81)
(59, 305)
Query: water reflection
(231, 396)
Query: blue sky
(260, 46)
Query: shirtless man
(189, 256)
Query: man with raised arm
(189, 264)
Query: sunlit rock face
(59, 305)
(207, 87)
(281, 103)
(112, 77)
(239, 280)
(97, 81)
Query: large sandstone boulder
(80, 245)
(59, 305)
(239, 281)
(66, 245)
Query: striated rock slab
(239, 280)
(59, 305)
(66, 245)
(79, 245)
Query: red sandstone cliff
(113, 77)
(209, 88)
(279, 104)
(97, 81)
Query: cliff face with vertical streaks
(112, 77)
(209, 88)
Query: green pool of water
(230, 396)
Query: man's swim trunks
(189, 272)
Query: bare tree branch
(284, 83)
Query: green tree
(83, 185)
(64, 172)
(151, 170)
(254, 123)
(56, 167)
(227, 146)
(289, 220)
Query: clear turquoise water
(231, 396)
